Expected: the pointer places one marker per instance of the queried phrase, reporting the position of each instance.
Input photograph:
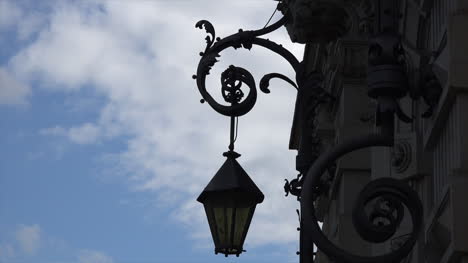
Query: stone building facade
(430, 153)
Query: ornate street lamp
(231, 196)
(230, 199)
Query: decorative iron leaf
(208, 62)
(265, 81)
(210, 30)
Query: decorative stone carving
(313, 21)
(348, 59)
(401, 156)
(366, 19)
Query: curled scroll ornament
(242, 39)
(386, 196)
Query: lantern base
(229, 251)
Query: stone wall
(431, 152)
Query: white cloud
(7, 252)
(55, 131)
(140, 56)
(25, 22)
(85, 133)
(9, 14)
(29, 238)
(30, 241)
(12, 91)
(91, 256)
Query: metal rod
(233, 124)
(387, 127)
(306, 245)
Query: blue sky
(105, 146)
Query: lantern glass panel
(229, 219)
(242, 221)
(223, 218)
(211, 222)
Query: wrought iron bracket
(386, 196)
(379, 208)
(387, 83)
(242, 39)
(247, 39)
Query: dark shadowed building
(430, 152)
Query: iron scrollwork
(242, 39)
(231, 83)
(384, 196)
(379, 208)
(294, 187)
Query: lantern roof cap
(231, 177)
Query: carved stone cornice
(323, 21)
(316, 20)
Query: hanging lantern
(230, 199)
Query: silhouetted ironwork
(242, 39)
(230, 199)
(379, 209)
(387, 82)
(386, 189)
(294, 187)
